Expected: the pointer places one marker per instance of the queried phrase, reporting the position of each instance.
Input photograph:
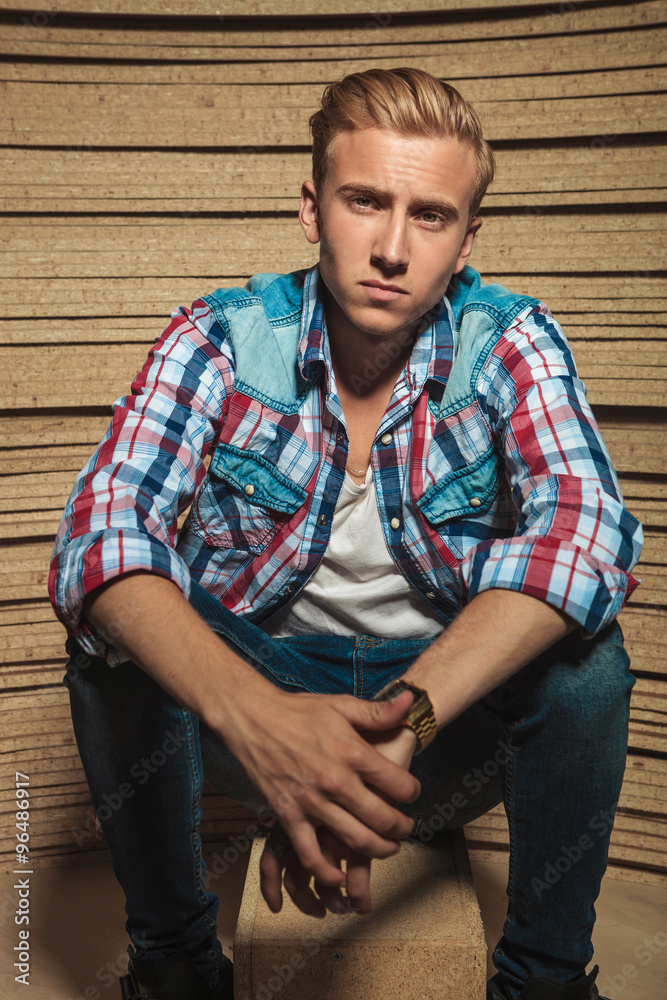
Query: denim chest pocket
(463, 492)
(245, 501)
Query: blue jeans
(550, 742)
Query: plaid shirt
(553, 526)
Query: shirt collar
(313, 349)
(431, 356)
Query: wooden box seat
(424, 938)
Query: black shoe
(174, 978)
(541, 988)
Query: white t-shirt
(357, 589)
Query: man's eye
(430, 217)
(359, 199)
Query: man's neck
(363, 364)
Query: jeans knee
(582, 684)
(590, 679)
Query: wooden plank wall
(148, 155)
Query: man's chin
(383, 324)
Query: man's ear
(309, 213)
(467, 245)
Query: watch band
(420, 718)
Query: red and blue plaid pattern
(557, 528)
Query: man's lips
(381, 291)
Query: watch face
(420, 717)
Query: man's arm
(497, 634)
(302, 749)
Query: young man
(406, 483)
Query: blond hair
(407, 101)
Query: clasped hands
(332, 767)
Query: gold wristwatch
(420, 718)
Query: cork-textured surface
(424, 938)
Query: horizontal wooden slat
(645, 631)
(56, 180)
(30, 571)
(608, 66)
(635, 447)
(653, 589)
(643, 489)
(31, 460)
(655, 547)
(28, 612)
(264, 8)
(194, 115)
(24, 676)
(205, 40)
(39, 491)
(47, 430)
(25, 642)
(112, 329)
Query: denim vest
(249, 490)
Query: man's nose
(391, 245)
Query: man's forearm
(165, 636)
(495, 635)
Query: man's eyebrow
(426, 204)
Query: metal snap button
(340, 439)
(248, 489)
(322, 519)
(387, 438)
(395, 523)
(475, 502)
(430, 595)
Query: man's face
(392, 221)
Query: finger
(297, 884)
(271, 880)
(364, 819)
(334, 851)
(394, 781)
(364, 714)
(354, 833)
(358, 886)
(331, 898)
(308, 851)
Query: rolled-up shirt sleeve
(122, 514)
(575, 542)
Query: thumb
(378, 715)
